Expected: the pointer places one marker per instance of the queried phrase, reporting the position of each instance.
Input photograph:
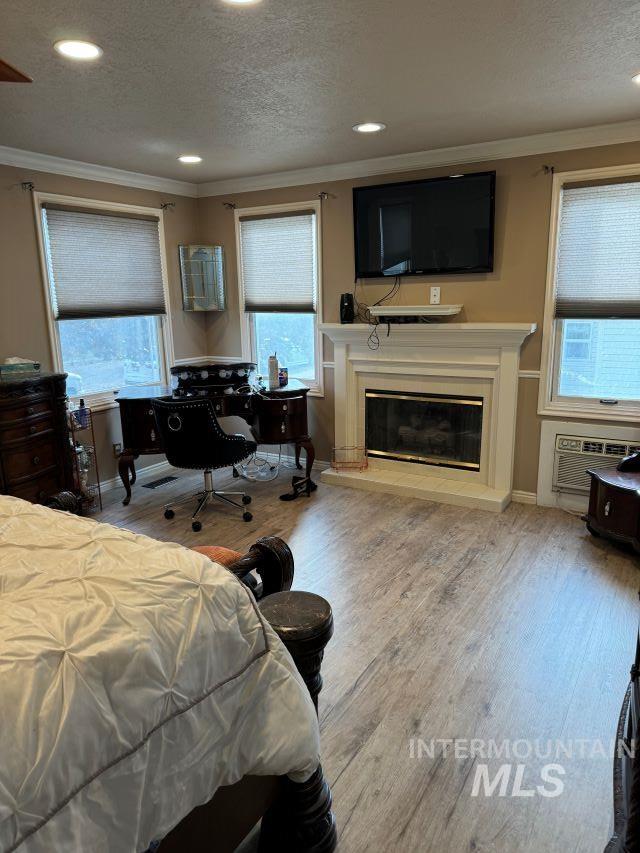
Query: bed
(142, 692)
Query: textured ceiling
(278, 85)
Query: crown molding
(501, 149)
(91, 172)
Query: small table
(614, 502)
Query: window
(106, 295)
(591, 345)
(279, 274)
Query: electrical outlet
(434, 297)
(117, 449)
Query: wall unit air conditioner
(568, 449)
(574, 455)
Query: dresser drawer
(11, 415)
(139, 428)
(40, 489)
(36, 427)
(28, 460)
(618, 510)
(282, 420)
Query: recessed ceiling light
(190, 158)
(78, 49)
(369, 127)
(636, 79)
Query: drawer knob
(285, 408)
(33, 429)
(36, 460)
(607, 509)
(283, 428)
(153, 435)
(30, 410)
(151, 412)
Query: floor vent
(155, 484)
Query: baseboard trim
(158, 469)
(290, 459)
(519, 497)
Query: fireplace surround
(431, 364)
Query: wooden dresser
(35, 454)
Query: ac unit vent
(615, 449)
(575, 455)
(592, 446)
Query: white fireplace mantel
(441, 357)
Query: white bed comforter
(136, 677)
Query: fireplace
(435, 404)
(428, 429)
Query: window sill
(96, 402)
(591, 412)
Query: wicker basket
(349, 458)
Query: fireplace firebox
(429, 429)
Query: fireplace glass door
(431, 429)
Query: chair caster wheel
(246, 516)
(246, 499)
(196, 526)
(169, 513)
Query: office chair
(193, 438)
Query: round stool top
(297, 614)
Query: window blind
(279, 263)
(598, 257)
(102, 265)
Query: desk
(274, 417)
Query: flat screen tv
(431, 227)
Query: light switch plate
(434, 296)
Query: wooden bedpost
(301, 820)
(272, 559)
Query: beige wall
(513, 292)
(23, 325)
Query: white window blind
(101, 264)
(598, 258)
(279, 263)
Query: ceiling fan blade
(9, 74)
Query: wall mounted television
(429, 227)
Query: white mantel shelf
(458, 334)
(478, 359)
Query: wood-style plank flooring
(450, 623)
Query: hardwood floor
(450, 623)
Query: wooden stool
(304, 623)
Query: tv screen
(441, 225)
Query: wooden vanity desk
(275, 417)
